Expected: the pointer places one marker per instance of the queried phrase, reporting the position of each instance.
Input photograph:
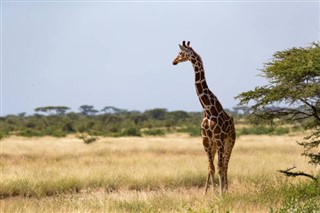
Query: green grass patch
(302, 197)
(26, 188)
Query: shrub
(131, 131)
(87, 139)
(193, 131)
(281, 131)
(54, 132)
(154, 132)
(3, 135)
(263, 130)
(31, 133)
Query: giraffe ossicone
(217, 127)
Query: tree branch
(295, 174)
(314, 109)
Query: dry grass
(150, 174)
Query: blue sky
(108, 53)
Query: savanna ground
(150, 174)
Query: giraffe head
(185, 54)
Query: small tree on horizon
(292, 92)
(88, 110)
(53, 110)
(112, 110)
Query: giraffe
(217, 127)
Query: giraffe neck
(200, 79)
(208, 100)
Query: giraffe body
(217, 127)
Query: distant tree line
(60, 121)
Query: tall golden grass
(149, 174)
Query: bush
(263, 130)
(87, 139)
(58, 134)
(281, 131)
(193, 131)
(154, 132)
(55, 132)
(132, 131)
(31, 133)
(3, 135)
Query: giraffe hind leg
(209, 148)
(229, 143)
(211, 170)
(221, 169)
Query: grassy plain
(149, 174)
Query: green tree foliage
(292, 92)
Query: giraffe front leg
(212, 176)
(221, 170)
(207, 183)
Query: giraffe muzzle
(175, 62)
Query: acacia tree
(112, 110)
(53, 110)
(87, 110)
(292, 92)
